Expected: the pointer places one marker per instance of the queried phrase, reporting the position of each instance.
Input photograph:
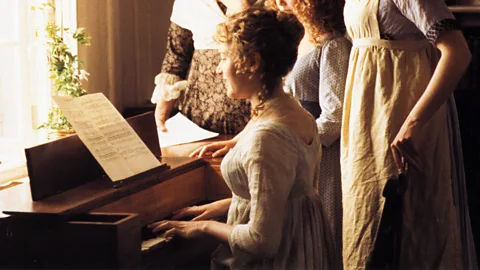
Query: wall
(128, 45)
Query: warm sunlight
(24, 80)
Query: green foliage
(66, 70)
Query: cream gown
(277, 218)
(385, 80)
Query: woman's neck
(320, 38)
(277, 93)
(305, 46)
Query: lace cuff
(167, 87)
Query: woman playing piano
(275, 220)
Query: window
(24, 79)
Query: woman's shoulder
(335, 50)
(267, 133)
(268, 128)
(267, 140)
(337, 43)
(294, 132)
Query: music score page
(108, 136)
(181, 130)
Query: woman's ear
(257, 63)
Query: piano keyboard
(154, 243)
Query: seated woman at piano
(275, 219)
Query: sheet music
(181, 130)
(108, 136)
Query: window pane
(9, 21)
(10, 91)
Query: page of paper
(181, 130)
(108, 136)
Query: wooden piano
(69, 215)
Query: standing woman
(397, 112)
(188, 81)
(318, 82)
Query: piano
(69, 215)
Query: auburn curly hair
(264, 35)
(319, 17)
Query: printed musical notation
(108, 136)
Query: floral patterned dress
(205, 100)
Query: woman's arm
(270, 167)
(200, 224)
(333, 75)
(454, 60)
(204, 212)
(219, 230)
(219, 149)
(192, 229)
(171, 81)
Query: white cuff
(167, 87)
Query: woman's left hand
(403, 147)
(184, 229)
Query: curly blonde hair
(263, 33)
(319, 17)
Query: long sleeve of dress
(333, 74)
(431, 17)
(270, 167)
(179, 51)
(175, 64)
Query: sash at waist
(411, 45)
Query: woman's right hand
(218, 149)
(204, 212)
(162, 113)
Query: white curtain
(24, 78)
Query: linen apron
(385, 80)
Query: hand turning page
(108, 136)
(181, 130)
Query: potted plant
(66, 70)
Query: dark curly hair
(318, 16)
(273, 36)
